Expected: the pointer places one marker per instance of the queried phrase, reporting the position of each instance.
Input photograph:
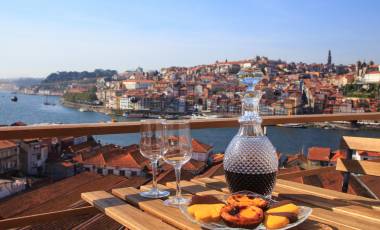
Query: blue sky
(39, 37)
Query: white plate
(302, 216)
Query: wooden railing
(20, 132)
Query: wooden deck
(331, 209)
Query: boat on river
(46, 102)
(293, 125)
(14, 99)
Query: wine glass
(177, 152)
(151, 147)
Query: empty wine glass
(151, 147)
(177, 152)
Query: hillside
(74, 75)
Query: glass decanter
(250, 161)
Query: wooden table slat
(331, 194)
(326, 193)
(156, 207)
(125, 214)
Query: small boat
(83, 110)
(14, 99)
(46, 102)
(135, 115)
(292, 125)
(198, 116)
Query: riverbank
(339, 125)
(84, 107)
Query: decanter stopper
(251, 98)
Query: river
(31, 110)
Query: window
(110, 171)
(38, 156)
(365, 158)
(122, 173)
(133, 173)
(100, 171)
(87, 169)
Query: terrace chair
(359, 167)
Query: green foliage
(87, 97)
(355, 90)
(73, 75)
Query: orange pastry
(247, 200)
(242, 216)
(280, 215)
(205, 208)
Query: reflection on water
(31, 110)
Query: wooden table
(331, 209)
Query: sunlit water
(31, 110)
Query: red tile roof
(5, 144)
(194, 166)
(319, 154)
(369, 154)
(200, 147)
(338, 154)
(110, 155)
(66, 194)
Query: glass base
(176, 201)
(155, 194)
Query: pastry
(206, 212)
(247, 200)
(242, 216)
(281, 214)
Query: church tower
(329, 58)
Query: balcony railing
(19, 132)
(40, 131)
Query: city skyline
(45, 37)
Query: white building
(9, 187)
(138, 84)
(371, 77)
(365, 155)
(33, 155)
(9, 159)
(201, 151)
(125, 103)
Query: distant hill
(27, 82)
(22, 81)
(74, 75)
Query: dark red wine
(259, 183)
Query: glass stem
(177, 170)
(154, 175)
